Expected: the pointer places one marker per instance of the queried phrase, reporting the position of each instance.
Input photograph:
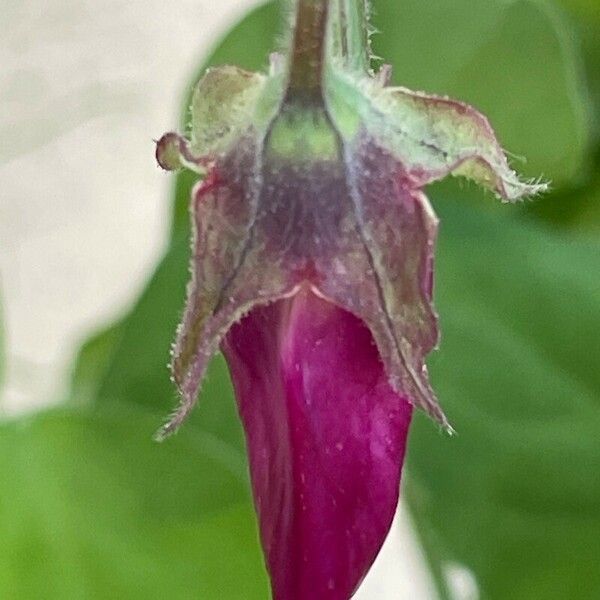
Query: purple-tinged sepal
(430, 136)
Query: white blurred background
(84, 211)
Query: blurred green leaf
(588, 216)
(137, 367)
(574, 210)
(515, 496)
(513, 60)
(92, 362)
(92, 508)
(586, 16)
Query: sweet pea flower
(312, 270)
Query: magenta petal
(326, 437)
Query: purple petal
(326, 437)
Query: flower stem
(308, 51)
(351, 34)
(326, 31)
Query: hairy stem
(326, 32)
(351, 34)
(308, 51)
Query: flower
(312, 270)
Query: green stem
(326, 31)
(308, 51)
(351, 40)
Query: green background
(90, 507)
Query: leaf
(511, 60)
(514, 497)
(92, 508)
(137, 368)
(586, 17)
(576, 209)
(91, 363)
